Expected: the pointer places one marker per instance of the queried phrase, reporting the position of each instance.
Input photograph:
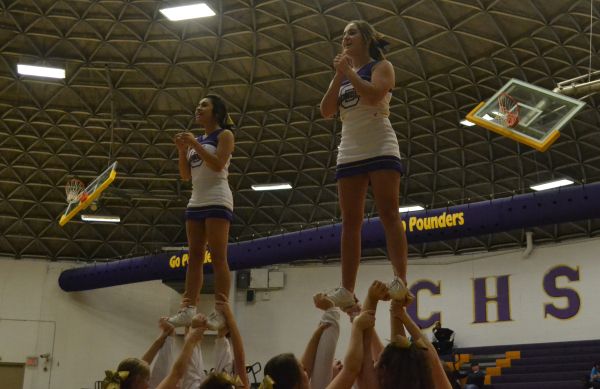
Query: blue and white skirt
(208, 212)
(385, 162)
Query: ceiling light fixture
(101, 218)
(174, 248)
(40, 71)
(185, 12)
(279, 186)
(551, 184)
(467, 123)
(410, 208)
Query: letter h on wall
(482, 299)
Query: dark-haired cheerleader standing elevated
(205, 161)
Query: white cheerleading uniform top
(366, 129)
(208, 186)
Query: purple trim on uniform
(208, 212)
(210, 139)
(208, 142)
(364, 72)
(386, 162)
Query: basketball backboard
(526, 113)
(90, 193)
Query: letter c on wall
(413, 309)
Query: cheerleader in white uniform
(205, 160)
(368, 154)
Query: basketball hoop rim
(74, 189)
(510, 116)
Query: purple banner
(521, 211)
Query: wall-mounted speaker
(250, 296)
(243, 279)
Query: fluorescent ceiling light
(40, 71)
(192, 11)
(100, 218)
(551, 184)
(280, 186)
(410, 208)
(467, 123)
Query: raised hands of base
(378, 291)
(322, 302)
(365, 320)
(199, 325)
(166, 327)
(222, 305)
(398, 309)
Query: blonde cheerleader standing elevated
(368, 153)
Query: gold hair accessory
(380, 41)
(405, 343)
(229, 379)
(420, 343)
(114, 379)
(267, 383)
(401, 341)
(229, 120)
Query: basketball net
(509, 109)
(74, 190)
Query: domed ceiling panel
(134, 79)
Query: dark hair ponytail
(376, 41)
(218, 381)
(128, 371)
(377, 47)
(404, 367)
(220, 111)
(284, 371)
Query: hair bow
(405, 343)
(228, 379)
(114, 379)
(267, 383)
(380, 42)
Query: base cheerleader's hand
(365, 320)
(379, 291)
(322, 302)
